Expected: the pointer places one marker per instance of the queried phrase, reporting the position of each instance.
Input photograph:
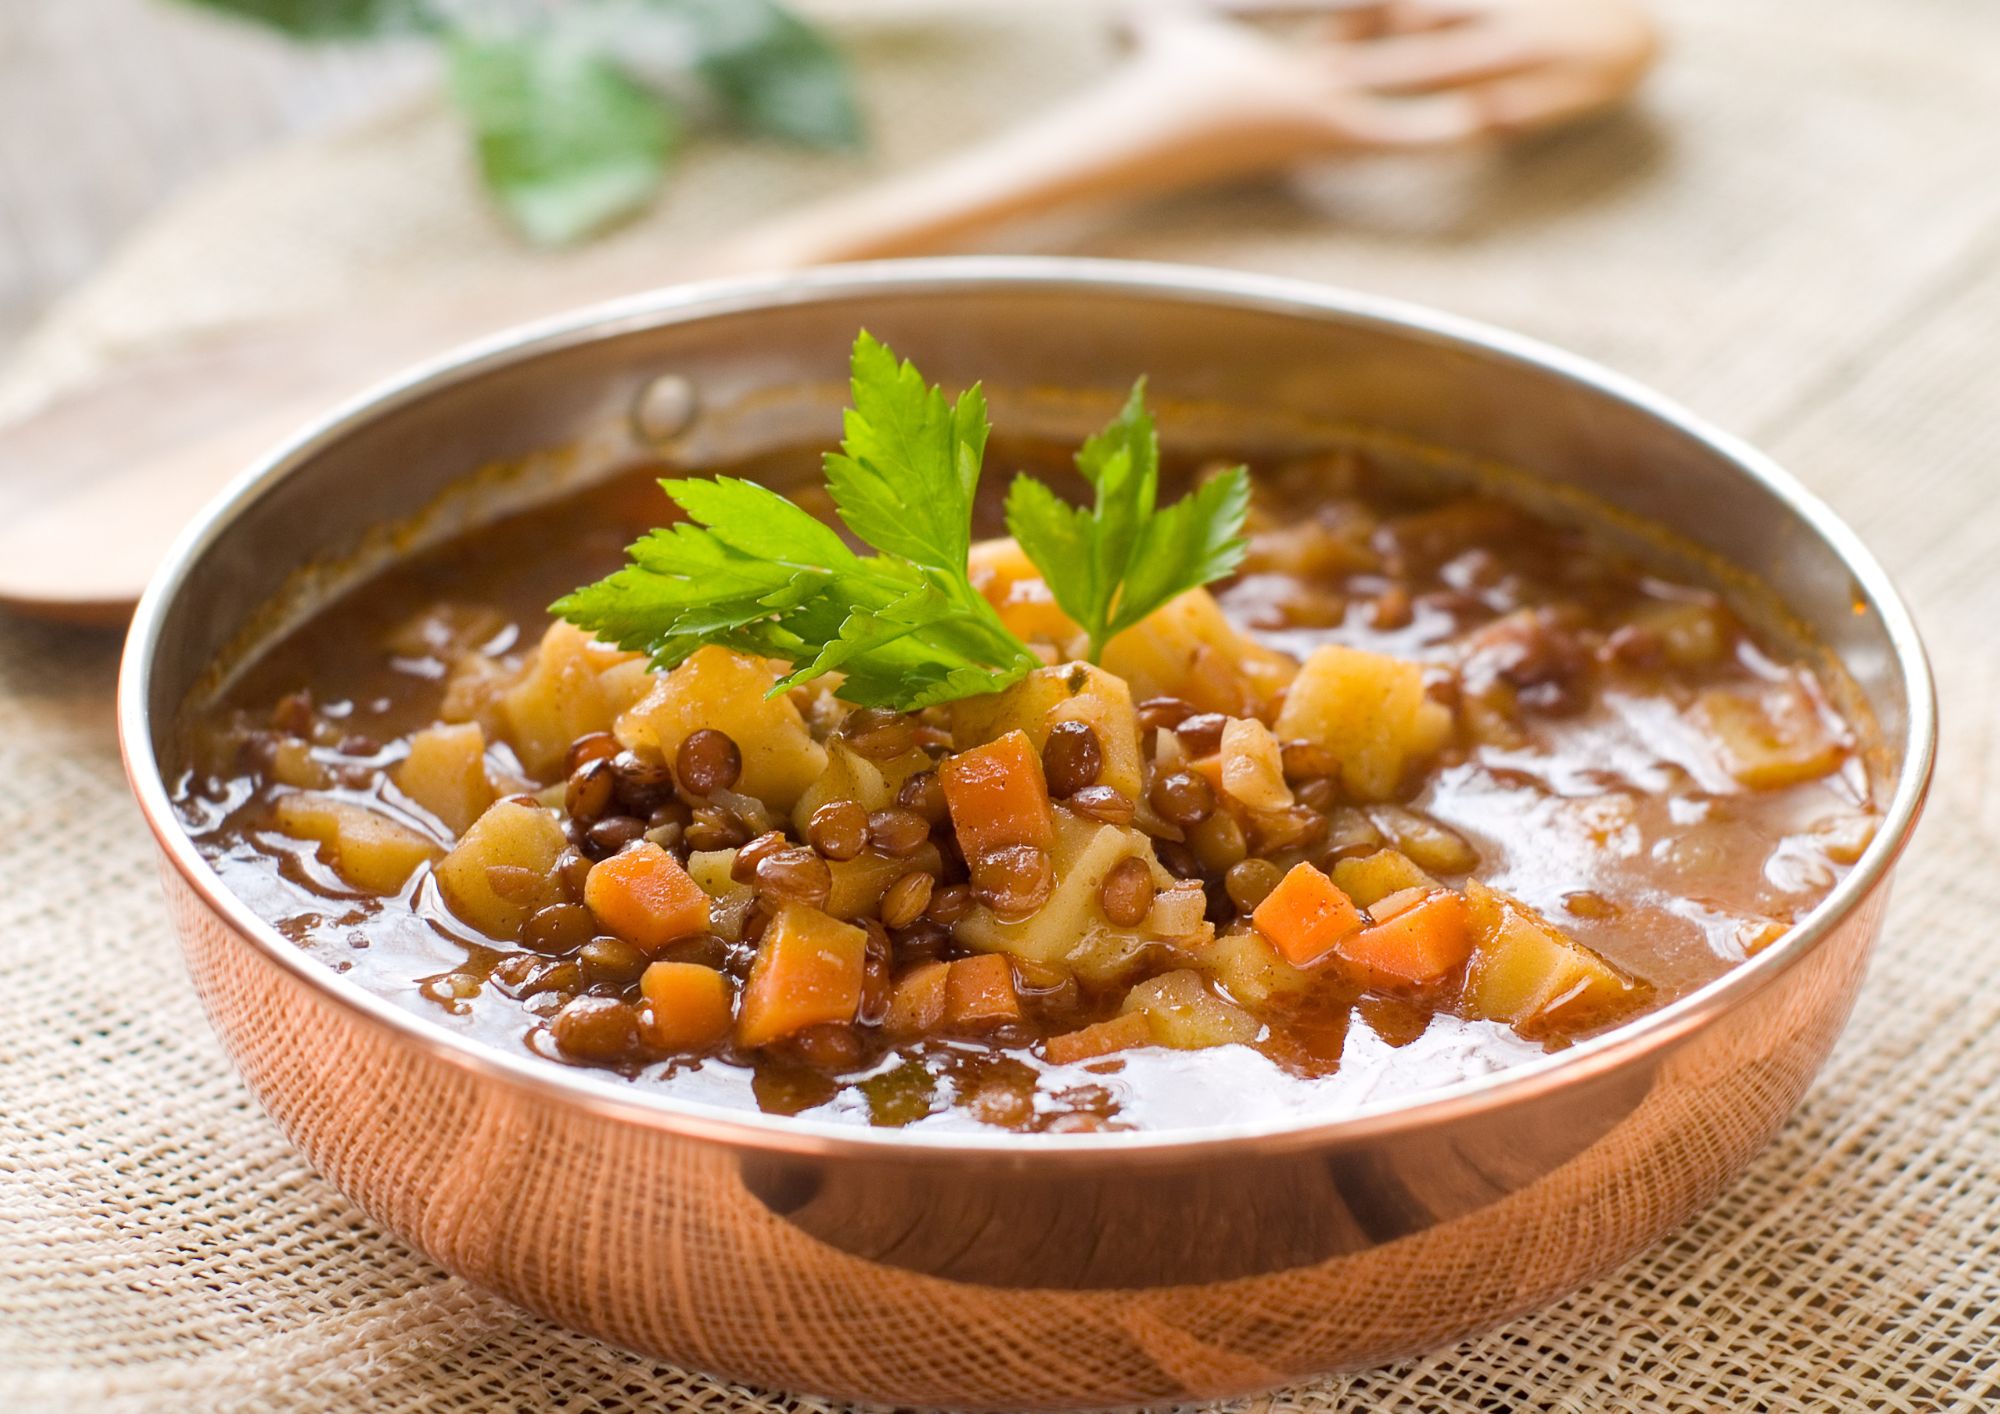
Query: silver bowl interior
(1055, 342)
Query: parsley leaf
(567, 142)
(1111, 565)
(330, 19)
(752, 572)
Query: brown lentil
(1201, 734)
(1013, 881)
(897, 832)
(708, 761)
(596, 1029)
(714, 828)
(1105, 804)
(571, 871)
(559, 928)
(1182, 797)
(1250, 881)
(879, 734)
(795, 875)
(1071, 757)
(923, 794)
(611, 960)
(1163, 713)
(949, 904)
(906, 899)
(643, 784)
(1308, 761)
(743, 868)
(1218, 842)
(592, 746)
(587, 795)
(839, 829)
(1126, 895)
(614, 832)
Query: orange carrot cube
(916, 1006)
(808, 972)
(979, 991)
(1422, 941)
(998, 796)
(690, 1005)
(1306, 916)
(644, 896)
(1120, 1033)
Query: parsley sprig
(752, 572)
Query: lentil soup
(1429, 786)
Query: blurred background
(219, 216)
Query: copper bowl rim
(1629, 1044)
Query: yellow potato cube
(365, 847)
(1186, 648)
(725, 691)
(1527, 973)
(1066, 692)
(445, 773)
(1184, 1014)
(521, 840)
(1370, 711)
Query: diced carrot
(644, 896)
(1306, 915)
(1120, 1033)
(979, 991)
(998, 797)
(808, 972)
(1422, 942)
(916, 1006)
(690, 1005)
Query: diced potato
(293, 764)
(560, 698)
(710, 869)
(1182, 1013)
(642, 894)
(689, 1006)
(979, 993)
(1070, 929)
(367, 848)
(1527, 973)
(851, 776)
(1418, 939)
(473, 691)
(1251, 970)
(1429, 845)
(445, 773)
(1124, 1032)
(1691, 634)
(1002, 571)
(997, 796)
(1370, 711)
(625, 685)
(723, 690)
(860, 882)
(916, 1005)
(1066, 692)
(1771, 736)
(808, 972)
(1186, 648)
(522, 838)
(1253, 765)
(1372, 878)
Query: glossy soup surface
(1601, 790)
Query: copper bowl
(1057, 1271)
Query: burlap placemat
(1798, 233)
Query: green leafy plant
(752, 572)
(576, 105)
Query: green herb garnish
(754, 573)
(574, 107)
(1115, 563)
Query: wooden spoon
(98, 482)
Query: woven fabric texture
(1797, 232)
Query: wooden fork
(94, 486)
